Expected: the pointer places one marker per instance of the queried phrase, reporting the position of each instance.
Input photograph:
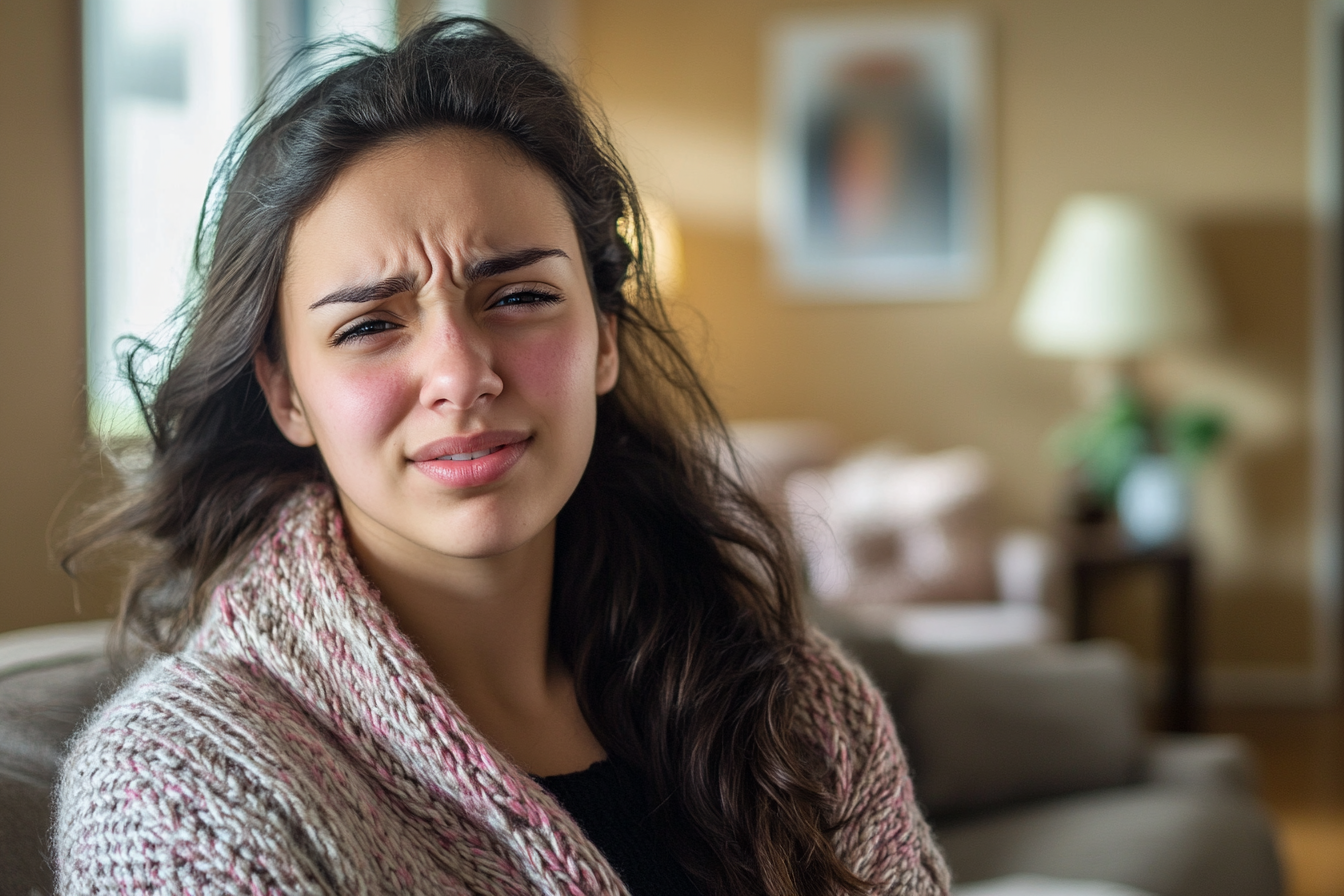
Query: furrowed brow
(510, 261)
(372, 292)
(477, 270)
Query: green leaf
(1191, 434)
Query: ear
(283, 400)
(608, 358)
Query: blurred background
(857, 207)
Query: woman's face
(442, 347)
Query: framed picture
(874, 177)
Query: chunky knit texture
(300, 744)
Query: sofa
(1031, 761)
(50, 677)
(1035, 761)
(1028, 761)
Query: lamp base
(1098, 380)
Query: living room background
(1201, 105)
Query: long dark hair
(674, 602)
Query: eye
(530, 296)
(363, 329)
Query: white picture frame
(874, 176)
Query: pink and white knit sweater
(300, 744)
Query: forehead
(458, 190)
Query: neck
(481, 623)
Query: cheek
(557, 370)
(359, 405)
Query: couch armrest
(32, 647)
(1201, 760)
(1005, 726)
(994, 727)
(50, 677)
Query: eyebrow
(480, 269)
(495, 265)
(372, 292)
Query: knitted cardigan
(300, 744)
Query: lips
(475, 455)
(471, 461)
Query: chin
(477, 549)
(478, 539)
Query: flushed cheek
(555, 371)
(359, 406)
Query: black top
(607, 801)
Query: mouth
(471, 455)
(460, 449)
(465, 462)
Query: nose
(459, 372)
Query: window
(166, 81)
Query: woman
(450, 592)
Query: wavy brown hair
(673, 602)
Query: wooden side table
(1097, 554)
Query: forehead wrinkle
(427, 224)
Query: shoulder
(882, 833)
(840, 700)
(174, 785)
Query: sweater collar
(300, 612)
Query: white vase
(1154, 501)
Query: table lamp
(1115, 280)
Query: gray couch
(49, 679)
(1034, 761)
(1027, 761)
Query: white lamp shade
(1114, 280)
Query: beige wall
(1200, 104)
(42, 292)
